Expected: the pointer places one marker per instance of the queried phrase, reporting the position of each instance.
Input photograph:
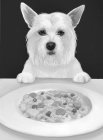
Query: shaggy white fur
(57, 28)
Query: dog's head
(51, 39)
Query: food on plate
(54, 105)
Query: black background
(13, 31)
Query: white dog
(51, 44)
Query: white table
(7, 85)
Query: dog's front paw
(81, 77)
(25, 77)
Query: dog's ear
(76, 14)
(28, 14)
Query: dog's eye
(42, 32)
(60, 32)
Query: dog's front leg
(27, 75)
(79, 75)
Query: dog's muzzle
(50, 46)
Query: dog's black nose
(50, 46)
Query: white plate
(10, 117)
